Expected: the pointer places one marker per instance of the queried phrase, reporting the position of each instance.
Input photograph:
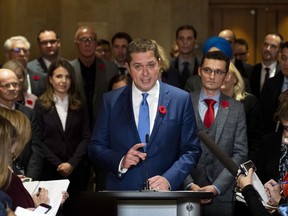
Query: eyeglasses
(45, 43)
(208, 70)
(18, 50)
(7, 85)
(86, 40)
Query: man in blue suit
(173, 149)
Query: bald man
(244, 69)
(92, 78)
(29, 163)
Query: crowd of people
(124, 115)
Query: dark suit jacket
(269, 101)
(231, 137)
(173, 76)
(173, 148)
(38, 82)
(104, 72)
(255, 77)
(269, 156)
(37, 65)
(64, 146)
(32, 156)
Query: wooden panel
(240, 21)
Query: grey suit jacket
(231, 137)
(37, 81)
(104, 71)
(35, 65)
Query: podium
(143, 203)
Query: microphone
(146, 183)
(227, 162)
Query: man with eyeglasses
(29, 163)
(92, 77)
(17, 47)
(49, 44)
(223, 118)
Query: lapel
(164, 100)
(79, 79)
(128, 110)
(55, 118)
(221, 116)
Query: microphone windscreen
(227, 162)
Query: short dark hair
(44, 30)
(186, 27)
(284, 45)
(103, 41)
(217, 55)
(140, 45)
(117, 78)
(243, 42)
(121, 35)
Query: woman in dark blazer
(64, 125)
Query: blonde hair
(13, 65)
(164, 61)
(239, 87)
(23, 126)
(8, 136)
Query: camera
(246, 166)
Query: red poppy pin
(36, 78)
(101, 66)
(224, 104)
(162, 110)
(29, 102)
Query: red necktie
(209, 115)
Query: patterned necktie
(267, 69)
(144, 121)
(185, 73)
(209, 115)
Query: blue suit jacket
(173, 148)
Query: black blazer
(269, 155)
(269, 101)
(172, 75)
(255, 77)
(32, 156)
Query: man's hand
(158, 183)
(133, 156)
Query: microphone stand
(146, 183)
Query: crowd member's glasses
(208, 70)
(87, 40)
(45, 43)
(8, 85)
(19, 50)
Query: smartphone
(246, 166)
(43, 208)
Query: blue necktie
(144, 121)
